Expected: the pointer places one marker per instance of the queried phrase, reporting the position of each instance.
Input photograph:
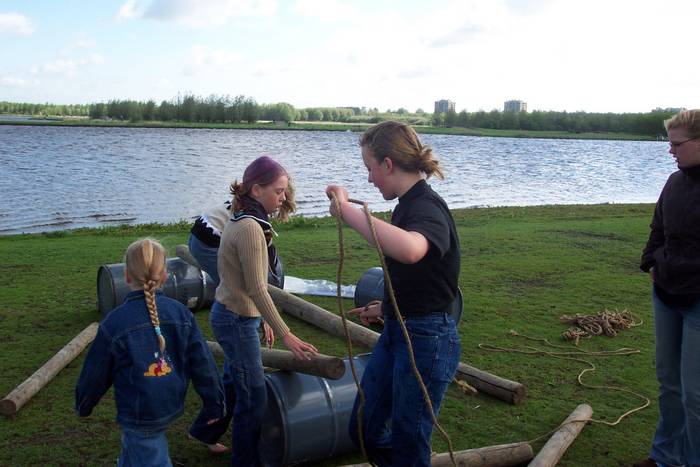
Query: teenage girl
(245, 256)
(421, 249)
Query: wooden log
(320, 365)
(501, 388)
(502, 455)
(11, 404)
(557, 444)
(324, 319)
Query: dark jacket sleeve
(201, 368)
(656, 237)
(96, 376)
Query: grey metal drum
(307, 417)
(186, 284)
(371, 287)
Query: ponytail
(429, 164)
(400, 143)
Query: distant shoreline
(326, 126)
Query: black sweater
(673, 249)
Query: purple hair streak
(262, 171)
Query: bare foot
(216, 448)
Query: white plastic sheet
(318, 287)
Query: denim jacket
(149, 392)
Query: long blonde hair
(145, 263)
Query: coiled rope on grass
(604, 322)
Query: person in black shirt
(672, 257)
(421, 248)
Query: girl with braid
(421, 249)
(148, 349)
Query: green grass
(522, 268)
(333, 126)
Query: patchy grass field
(522, 268)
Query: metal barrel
(371, 287)
(186, 284)
(307, 417)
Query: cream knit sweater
(242, 264)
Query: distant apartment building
(444, 106)
(515, 106)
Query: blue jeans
(396, 422)
(677, 438)
(206, 256)
(243, 370)
(144, 449)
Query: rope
(570, 355)
(392, 298)
(605, 322)
(339, 276)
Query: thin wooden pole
(320, 365)
(11, 404)
(504, 389)
(555, 447)
(502, 455)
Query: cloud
(325, 10)
(65, 67)
(10, 82)
(130, 10)
(69, 67)
(201, 60)
(197, 14)
(419, 72)
(82, 41)
(92, 59)
(458, 36)
(469, 21)
(526, 6)
(14, 23)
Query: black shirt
(673, 248)
(430, 285)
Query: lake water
(68, 177)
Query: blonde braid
(149, 293)
(145, 262)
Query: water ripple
(67, 177)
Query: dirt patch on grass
(590, 235)
(521, 286)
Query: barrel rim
(112, 288)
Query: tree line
(238, 109)
(650, 123)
